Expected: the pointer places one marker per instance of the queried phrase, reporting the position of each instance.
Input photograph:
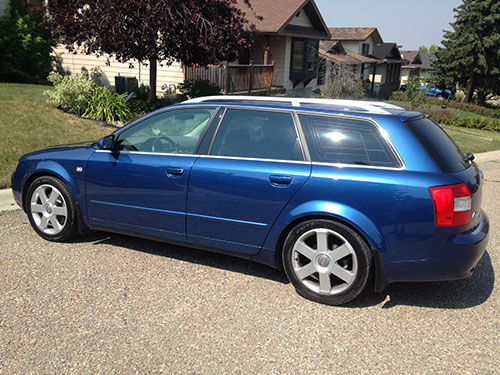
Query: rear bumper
(454, 259)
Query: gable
(301, 19)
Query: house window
(304, 59)
(365, 49)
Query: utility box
(124, 84)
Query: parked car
(431, 90)
(331, 191)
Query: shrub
(343, 84)
(107, 106)
(71, 93)
(195, 88)
(415, 97)
(399, 96)
(25, 44)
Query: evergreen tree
(471, 53)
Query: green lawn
(474, 140)
(28, 122)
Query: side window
(334, 140)
(257, 134)
(175, 132)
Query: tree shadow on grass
(458, 294)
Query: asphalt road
(113, 304)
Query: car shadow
(458, 294)
(186, 254)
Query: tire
(333, 273)
(52, 209)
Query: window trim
(304, 74)
(298, 132)
(378, 128)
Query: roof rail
(353, 105)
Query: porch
(235, 78)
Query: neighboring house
(332, 52)
(287, 37)
(412, 68)
(426, 69)
(419, 65)
(383, 76)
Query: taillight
(452, 205)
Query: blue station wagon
(333, 192)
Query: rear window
(439, 145)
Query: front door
(141, 186)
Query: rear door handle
(174, 171)
(280, 180)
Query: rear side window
(257, 134)
(439, 145)
(336, 140)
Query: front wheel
(326, 261)
(51, 209)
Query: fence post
(226, 74)
(250, 86)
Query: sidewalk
(7, 202)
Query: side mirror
(106, 143)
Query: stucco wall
(171, 75)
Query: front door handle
(280, 180)
(174, 171)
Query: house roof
(427, 58)
(355, 33)
(387, 51)
(273, 17)
(412, 56)
(336, 54)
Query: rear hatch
(451, 160)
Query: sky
(408, 23)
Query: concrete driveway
(115, 304)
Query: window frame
(304, 73)
(296, 123)
(162, 111)
(378, 129)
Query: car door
(253, 168)
(141, 185)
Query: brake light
(452, 205)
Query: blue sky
(408, 23)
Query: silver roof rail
(353, 105)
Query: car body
(431, 90)
(330, 190)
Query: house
(332, 52)
(287, 39)
(383, 74)
(419, 65)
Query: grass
(469, 140)
(28, 123)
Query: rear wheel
(326, 261)
(51, 209)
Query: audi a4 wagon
(333, 192)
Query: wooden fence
(234, 78)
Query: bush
(415, 97)
(399, 96)
(25, 44)
(195, 88)
(107, 106)
(71, 93)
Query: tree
(192, 31)
(25, 44)
(471, 53)
(432, 49)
